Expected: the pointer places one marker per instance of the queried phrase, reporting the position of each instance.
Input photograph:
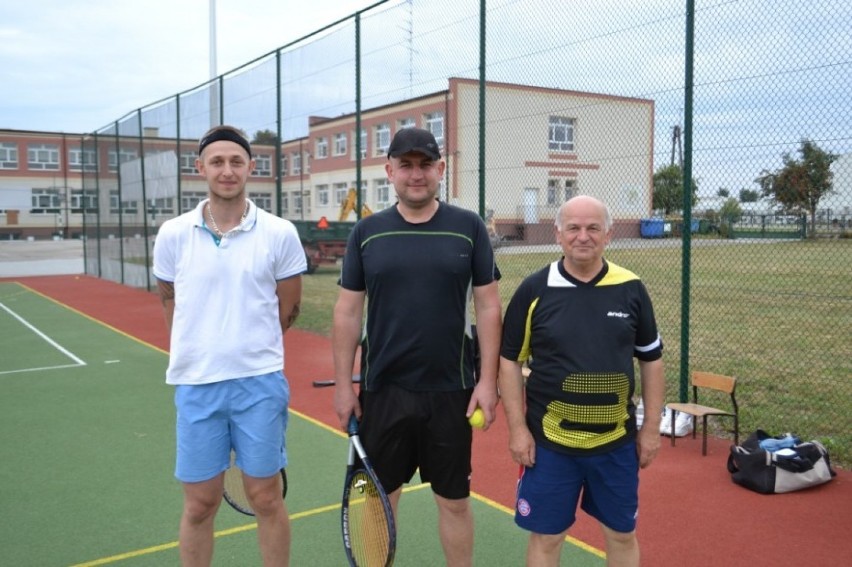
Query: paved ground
(62, 257)
(40, 257)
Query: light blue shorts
(246, 414)
(548, 493)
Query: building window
(435, 124)
(127, 207)
(190, 199)
(283, 168)
(83, 201)
(285, 202)
(297, 202)
(364, 187)
(46, 201)
(340, 144)
(161, 206)
(340, 192)
(43, 157)
(187, 162)
(405, 123)
(82, 160)
(262, 165)
(383, 139)
(570, 190)
(8, 155)
(123, 156)
(363, 142)
(561, 134)
(381, 189)
(322, 148)
(297, 164)
(262, 200)
(559, 191)
(322, 195)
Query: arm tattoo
(294, 314)
(167, 291)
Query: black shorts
(403, 430)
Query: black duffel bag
(790, 468)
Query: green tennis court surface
(87, 451)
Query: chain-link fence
(535, 101)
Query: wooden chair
(708, 381)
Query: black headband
(223, 134)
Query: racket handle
(353, 425)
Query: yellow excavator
(348, 205)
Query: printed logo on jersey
(618, 314)
(591, 412)
(523, 507)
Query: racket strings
(368, 523)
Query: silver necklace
(215, 227)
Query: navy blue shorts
(609, 484)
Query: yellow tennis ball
(477, 418)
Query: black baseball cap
(414, 140)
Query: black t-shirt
(580, 339)
(419, 280)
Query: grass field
(778, 315)
(87, 453)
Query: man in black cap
(420, 262)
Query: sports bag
(792, 465)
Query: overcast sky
(77, 66)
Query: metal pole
(482, 109)
(214, 94)
(687, 203)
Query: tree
(801, 183)
(668, 189)
(749, 195)
(722, 192)
(265, 138)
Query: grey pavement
(20, 258)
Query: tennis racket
(325, 383)
(235, 493)
(369, 532)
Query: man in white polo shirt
(229, 276)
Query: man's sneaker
(666, 422)
(683, 423)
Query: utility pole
(676, 143)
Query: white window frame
(8, 155)
(434, 122)
(383, 138)
(82, 159)
(322, 195)
(341, 190)
(321, 148)
(560, 137)
(382, 193)
(340, 143)
(43, 157)
(262, 165)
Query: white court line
(47, 339)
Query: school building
(542, 146)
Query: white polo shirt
(226, 323)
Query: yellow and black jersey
(580, 339)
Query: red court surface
(690, 511)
